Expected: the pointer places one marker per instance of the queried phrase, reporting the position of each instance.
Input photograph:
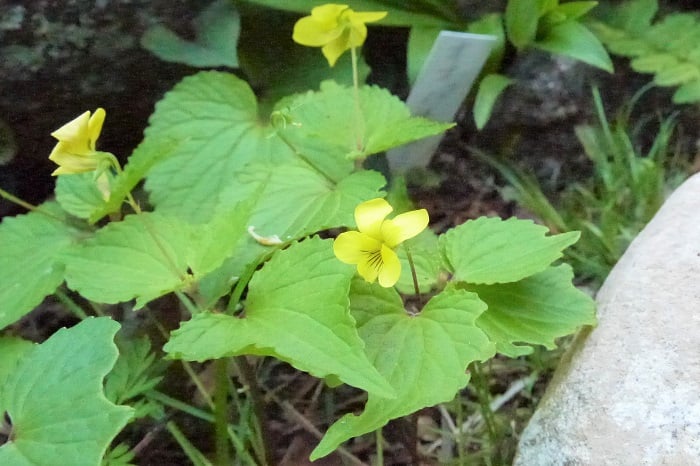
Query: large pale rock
(628, 392)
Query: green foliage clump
(233, 223)
(625, 190)
(666, 48)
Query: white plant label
(446, 77)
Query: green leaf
(219, 282)
(289, 201)
(547, 5)
(30, 246)
(220, 238)
(139, 257)
(491, 250)
(620, 43)
(135, 373)
(574, 40)
(678, 74)
(634, 16)
(688, 93)
(492, 24)
(423, 356)
(12, 349)
(490, 88)
(120, 455)
(654, 63)
(295, 200)
(145, 156)
(55, 401)
(217, 28)
(78, 194)
(324, 126)
(533, 311)
(148, 255)
(575, 10)
(297, 311)
(521, 19)
(570, 11)
(213, 117)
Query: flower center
(374, 259)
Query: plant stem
(380, 447)
(249, 378)
(414, 275)
(70, 304)
(194, 455)
(359, 122)
(185, 365)
(459, 436)
(30, 207)
(221, 412)
(191, 307)
(483, 395)
(203, 415)
(174, 403)
(14, 199)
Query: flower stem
(359, 122)
(187, 302)
(243, 280)
(249, 378)
(221, 412)
(70, 304)
(484, 398)
(414, 275)
(18, 201)
(30, 207)
(380, 447)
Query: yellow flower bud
(75, 151)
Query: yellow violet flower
(334, 27)
(372, 247)
(75, 151)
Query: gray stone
(628, 391)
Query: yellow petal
(391, 268)
(358, 30)
(404, 226)
(70, 163)
(369, 216)
(367, 16)
(334, 49)
(76, 129)
(356, 35)
(75, 147)
(371, 265)
(95, 127)
(352, 247)
(309, 32)
(329, 13)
